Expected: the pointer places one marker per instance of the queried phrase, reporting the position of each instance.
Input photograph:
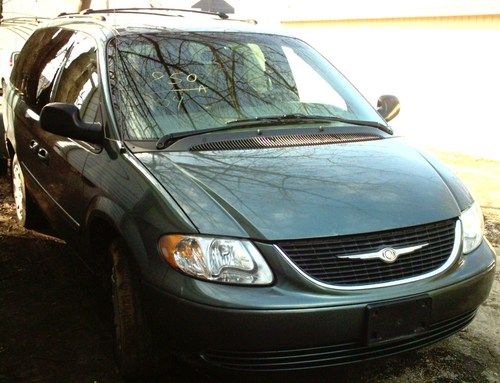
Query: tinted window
(24, 60)
(48, 76)
(38, 64)
(79, 81)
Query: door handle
(43, 154)
(33, 145)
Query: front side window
(79, 81)
(164, 83)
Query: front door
(62, 159)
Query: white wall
(448, 80)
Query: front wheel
(132, 334)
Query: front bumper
(335, 355)
(265, 339)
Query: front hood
(304, 192)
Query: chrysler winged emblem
(387, 254)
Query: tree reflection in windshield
(165, 83)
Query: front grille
(333, 355)
(262, 142)
(319, 258)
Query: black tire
(4, 166)
(4, 163)
(27, 212)
(133, 350)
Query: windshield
(165, 83)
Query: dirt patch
(492, 227)
(50, 330)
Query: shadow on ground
(49, 331)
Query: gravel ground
(50, 330)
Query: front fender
(103, 209)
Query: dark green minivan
(244, 205)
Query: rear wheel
(133, 349)
(27, 213)
(4, 166)
(3, 160)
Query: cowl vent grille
(262, 142)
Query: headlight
(222, 260)
(473, 226)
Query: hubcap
(18, 186)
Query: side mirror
(388, 107)
(64, 120)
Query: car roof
(104, 24)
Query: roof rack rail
(143, 10)
(24, 20)
(78, 16)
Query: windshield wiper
(296, 118)
(304, 118)
(293, 118)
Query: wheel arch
(104, 222)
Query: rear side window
(79, 81)
(38, 65)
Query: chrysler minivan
(244, 206)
